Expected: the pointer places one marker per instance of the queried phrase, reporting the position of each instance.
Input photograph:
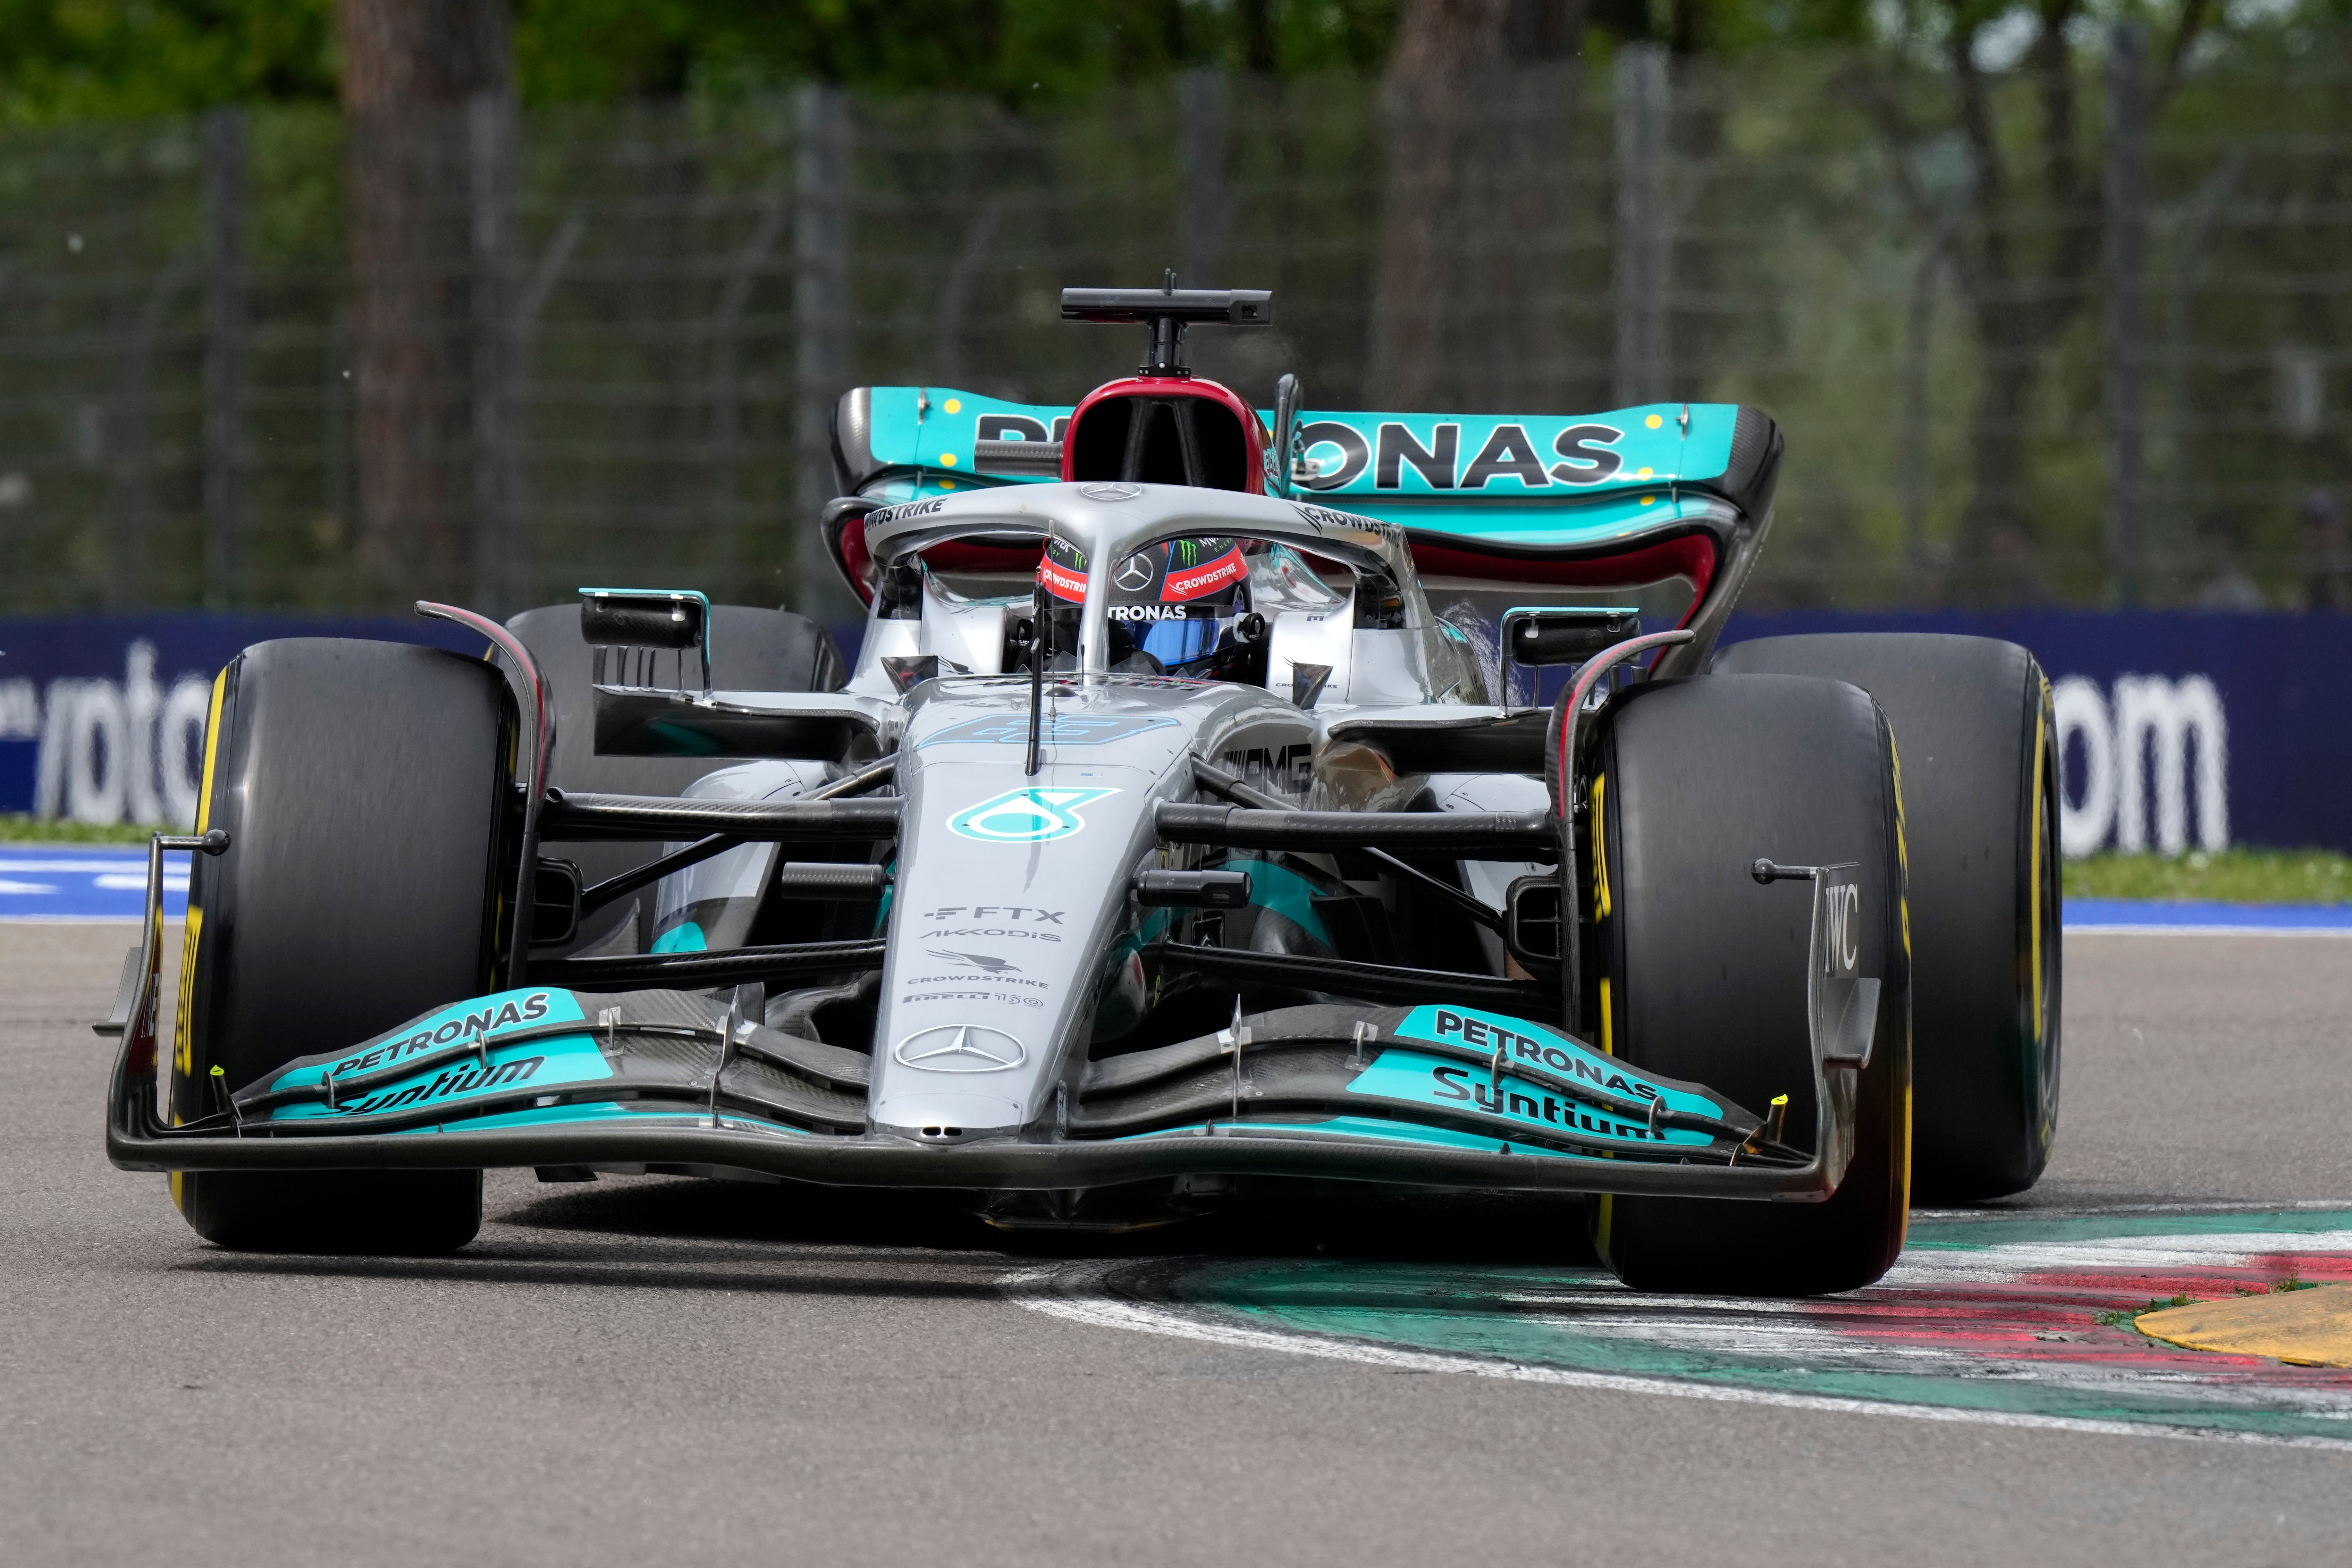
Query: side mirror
(1566, 636)
(1287, 451)
(1193, 889)
(643, 621)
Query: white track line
(1074, 1294)
(2076, 1211)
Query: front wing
(1435, 1095)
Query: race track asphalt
(648, 1371)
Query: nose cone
(935, 1117)
(954, 1068)
(1010, 887)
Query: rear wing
(1617, 500)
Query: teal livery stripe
(562, 1059)
(657, 1114)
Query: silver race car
(1163, 848)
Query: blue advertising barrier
(2179, 732)
(103, 717)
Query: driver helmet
(1174, 601)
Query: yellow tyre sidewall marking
(1903, 904)
(1604, 1212)
(183, 1031)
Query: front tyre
(1981, 815)
(1702, 971)
(365, 788)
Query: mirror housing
(1567, 635)
(647, 621)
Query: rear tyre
(1980, 808)
(751, 650)
(365, 788)
(1703, 970)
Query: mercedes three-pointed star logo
(960, 1048)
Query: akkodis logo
(1026, 815)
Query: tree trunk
(412, 69)
(1476, 187)
(2024, 259)
(1994, 559)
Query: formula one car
(1163, 847)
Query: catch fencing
(267, 361)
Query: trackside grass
(2234, 876)
(18, 827)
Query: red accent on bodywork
(1070, 587)
(1253, 467)
(1690, 555)
(1194, 581)
(856, 559)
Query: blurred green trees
(69, 59)
(83, 59)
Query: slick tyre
(365, 788)
(750, 650)
(1972, 717)
(1702, 969)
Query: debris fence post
(222, 156)
(1204, 214)
(1642, 257)
(750, 259)
(2123, 335)
(500, 564)
(823, 318)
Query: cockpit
(1154, 581)
(1069, 581)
